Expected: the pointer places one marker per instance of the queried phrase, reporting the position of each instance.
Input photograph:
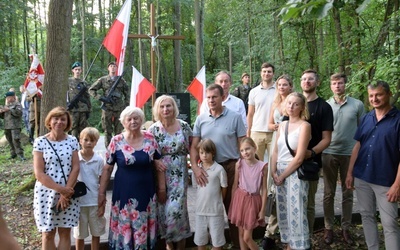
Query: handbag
(309, 169)
(80, 188)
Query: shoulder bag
(80, 188)
(309, 169)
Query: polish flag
(198, 86)
(115, 41)
(35, 78)
(141, 89)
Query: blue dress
(133, 208)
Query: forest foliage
(360, 38)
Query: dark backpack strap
(286, 139)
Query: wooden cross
(153, 36)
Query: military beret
(244, 74)
(10, 93)
(76, 64)
(111, 63)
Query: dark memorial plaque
(183, 101)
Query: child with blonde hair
(249, 194)
(91, 166)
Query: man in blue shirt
(374, 166)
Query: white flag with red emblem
(198, 86)
(35, 78)
(141, 89)
(115, 40)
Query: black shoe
(22, 158)
(12, 157)
(268, 243)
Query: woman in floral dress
(133, 208)
(173, 136)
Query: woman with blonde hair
(291, 191)
(173, 137)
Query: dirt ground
(18, 213)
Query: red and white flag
(198, 86)
(141, 89)
(115, 41)
(35, 78)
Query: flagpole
(91, 65)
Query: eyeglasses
(307, 79)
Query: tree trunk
(83, 23)
(58, 56)
(199, 21)
(177, 86)
(339, 38)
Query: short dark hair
(268, 65)
(214, 86)
(338, 76)
(311, 71)
(379, 83)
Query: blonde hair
(90, 132)
(278, 98)
(157, 104)
(58, 112)
(304, 114)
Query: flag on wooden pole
(141, 89)
(35, 77)
(198, 86)
(117, 36)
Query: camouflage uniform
(110, 116)
(32, 115)
(12, 128)
(81, 112)
(242, 92)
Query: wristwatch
(312, 153)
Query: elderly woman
(173, 137)
(133, 207)
(56, 167)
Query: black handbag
(309, 169)
(80, 188)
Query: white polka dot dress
(45, 198)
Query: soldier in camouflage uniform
(78, 106)
(12, 115)
(243, 90)
(111, 111)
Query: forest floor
(16, 198)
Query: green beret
(76, 64)
(111, 63)
(10, 93)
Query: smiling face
(224, 80)
(284, 87)
(267, 74)
(379, 98)
(247, 151)
(309, 82)
(59, 123)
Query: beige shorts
(216, 227)
(88, 219)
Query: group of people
(238, 155)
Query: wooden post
(153, 37)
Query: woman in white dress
(291, 191)
(54, 208)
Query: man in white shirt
(261, 98)
(233, 103)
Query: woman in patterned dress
(291, 192)
(54, 209)
(133, 208)
(173, 137)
